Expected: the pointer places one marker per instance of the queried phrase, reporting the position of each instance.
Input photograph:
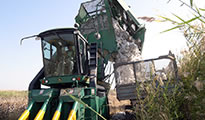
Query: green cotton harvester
(75, 60)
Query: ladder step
(93, 47)
(92, 57)
(92, 54)
(93, 51)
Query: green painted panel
(92, 102)
(42, 95)
(63, 79)
(103, 107)
(76, 92)
(107, 40)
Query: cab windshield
(59, 54)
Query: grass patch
(13, 93)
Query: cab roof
(61, 30)
(57, 30)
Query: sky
(20, 63)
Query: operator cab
(64, 53)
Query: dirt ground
(12, 107)
(117, 108)
(116, 105)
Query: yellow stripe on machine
(25, 115)
(56, 115)
(40, 115)
(72, 115)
